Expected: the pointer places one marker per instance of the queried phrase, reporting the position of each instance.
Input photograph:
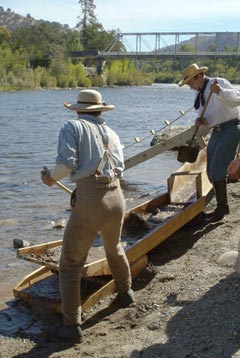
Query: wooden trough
(186, 197)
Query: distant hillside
(206, 42)
(12, 21)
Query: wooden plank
(96, 268)
(38, 249)
(51, 265)
(159, 148)
(206, 186)
(104, 291)
(178, 191)
(109, 288)
(44, 272)
(200, 185)
(150, 205)
(147, 243)
(28, 280)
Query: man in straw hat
(222, 116)
(91, 153)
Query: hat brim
(80, 107)
(186, 80)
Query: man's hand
(234, 167)
(201, 122)
(46, 177)
(215, 88)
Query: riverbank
(187, 304)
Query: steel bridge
(169, 45)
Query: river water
(30, 123)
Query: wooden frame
(194, 203)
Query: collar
(91, 118)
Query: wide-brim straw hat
(190, 72)
(89, 101)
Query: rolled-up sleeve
(68, 146)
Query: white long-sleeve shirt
(224, 106)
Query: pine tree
(88, 14)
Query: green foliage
(43, 37)
(94, 37)
(73, 42)
(186, 48)
(68, 74)
(125, 73)
(4, 36)
(35, 57)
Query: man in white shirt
(222, 115)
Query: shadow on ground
(206, 328)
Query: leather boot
(126, 298)
(222, 208)
(71, 334)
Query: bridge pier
(101, 63)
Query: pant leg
(97, 209)
(221, 151)
(77, 241)
(116, 255)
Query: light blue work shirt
(81, 149)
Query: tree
(43, 41)
(94, 37)
(4, 36)
(186, 48)
(88, 11)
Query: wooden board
(168, 144)
(40, 303)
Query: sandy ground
(187, 304)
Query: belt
(225, 125)
(104, 179)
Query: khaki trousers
(99, 208)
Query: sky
(139, 15)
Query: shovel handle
(201, 116)
(206, 103)
(63, 187)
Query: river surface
(30, 123)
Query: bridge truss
(167, 45)
(172, 44)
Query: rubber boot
(222, 208)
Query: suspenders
(107, 147)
